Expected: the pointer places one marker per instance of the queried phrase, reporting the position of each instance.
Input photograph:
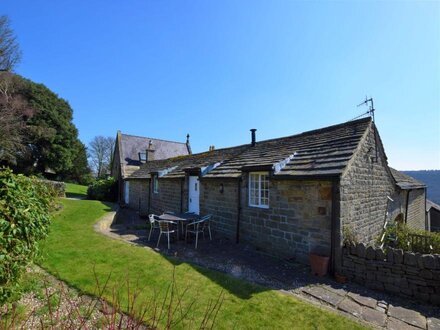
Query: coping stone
(429, 261)
(360, 250)
(398, 256)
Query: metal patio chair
(153, 224)
(166, 227)
(198, 227)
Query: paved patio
(377, 309)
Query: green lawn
(75, 190)
(73, 251)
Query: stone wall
(168, 197)
(434, 219)
(405, 273)
(138, 195)
(364, 188)
(58, 186)
(222, 205)
(297, 222)
(416, 209)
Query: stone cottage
(288, 196)
(409, 200)
(433, 216)
(132, 151)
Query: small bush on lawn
(103, 190)
(25, 205)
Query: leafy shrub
(413, 240)
(349, 237)
(25, 205)
(103, 190)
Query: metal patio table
(179, 218)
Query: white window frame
(155, 184)
(262, 179)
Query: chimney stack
(188, 147)
(253, 130)
(150, 152)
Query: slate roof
(431, 204)
(322, 152)
(131, 146)
(404, 181)
(176, 167)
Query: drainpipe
(149, 195)
(181, 195)
(406, 206)
(237, 239)
(427, 222)
(335, 248)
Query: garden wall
(408, 274)
(59, 187)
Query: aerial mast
(369, 102)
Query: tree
(101, 153)
(81, 171)
(48, 142)
(14, 111)
(10, 53)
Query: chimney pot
(253, 130)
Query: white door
(193, 194)
(126, 191)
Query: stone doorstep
(322, 294)
(408, 316)
(433, 323)
(373, 316)
(365, 301)
(395, 324)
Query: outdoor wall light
(222, 188)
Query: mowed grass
(74, 252)
(76, 190)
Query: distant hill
(432, 179)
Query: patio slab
(349, 306)
(362, 300)
(320, 293)
(433, 323)
(408, 316)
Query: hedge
(25, 206)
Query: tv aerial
(368, 102)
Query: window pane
(258, 189)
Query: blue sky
(215, 69)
